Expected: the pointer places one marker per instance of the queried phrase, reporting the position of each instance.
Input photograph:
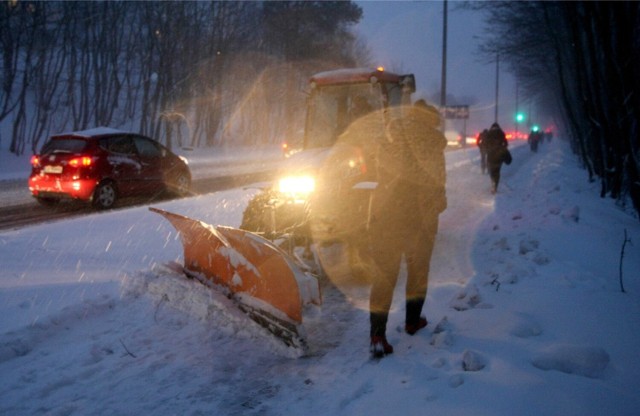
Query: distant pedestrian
(406, 204)
(534, 139)
(497, 154)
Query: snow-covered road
(526, 314)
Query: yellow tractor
(321, 200)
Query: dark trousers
(494, 164)
(494, 174)
(388, 245)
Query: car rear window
(67, 145)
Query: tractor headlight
(297, 187)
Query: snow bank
(573, 359)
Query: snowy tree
(185, 73)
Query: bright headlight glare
(297, 185)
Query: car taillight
(81, 161)
(35, 161)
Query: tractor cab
(338, 98)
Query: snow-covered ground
(526, 313)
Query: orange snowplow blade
(241, 261)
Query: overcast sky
(406, 36)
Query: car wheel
(105, 195)
(48, 202)
(181, 184)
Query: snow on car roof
(93, 132)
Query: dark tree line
(580, 62)
(187, 73)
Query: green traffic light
(519, 117)
(535, 128)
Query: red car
(102, 164)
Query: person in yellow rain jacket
(406, 204)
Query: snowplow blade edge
(242, 262)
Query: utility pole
(443, 80)
(497, 84)
(517, 110)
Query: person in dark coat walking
(497, 154)
(405, 207)
(534, 139)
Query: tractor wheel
(257, 216)
(263, 215)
